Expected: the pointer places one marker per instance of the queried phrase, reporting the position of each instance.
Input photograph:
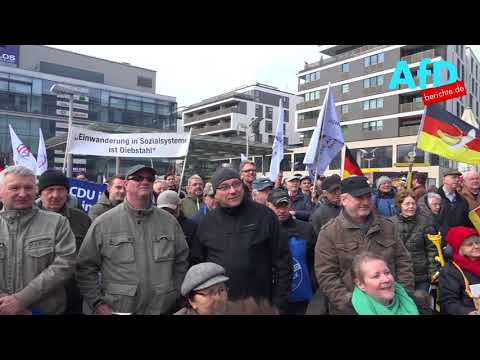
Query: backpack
(301, 285)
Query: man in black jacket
(299, 231)
(454, 210)
(302, 206)
(329, 206)
(246, 239)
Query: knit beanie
(382, 180)
(51, 178)
(457, 235)
(223, 174)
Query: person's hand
(103, 309)
(474, 312)
(11, 305)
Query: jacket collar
(19, 214)
(347, 223)
(232, 211)
(137, 212)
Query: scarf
(455, 237)
(402, 304)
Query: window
(268, 112)
(380, 80)
(374, 59)
(285, 115)
(344, 109)
(366, 83)
(366, 105)
(373, 104)
(373, 81)
(346, 67)
(380, 103)
(258, 110)
(268, 126)
(367, 61)
(312, 77)
(377, 157)
(307, 97)
(144, 82)
(403, 150)
(345, 88)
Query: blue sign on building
(9, 55)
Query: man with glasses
(246, 239)
(140, 251)
(248, 173)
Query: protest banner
(151, 145)
(87, 192)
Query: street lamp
(70, 91)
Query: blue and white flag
(277, 148)
(87, 192)
(42, 162)
(327, 138)
(21, 153)
(243, 157)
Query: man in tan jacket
(140, 251)
(357, 229)
(471, 189)
(37, 249)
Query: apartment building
(380, 125)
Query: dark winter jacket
(424, 209)
(452, 297)
(200, 214)
(102, 206)
(189, 228)
(452, 214)
(385, 203)
(249, 243)
(413, 232)
(303, 230)
(302, 205)
(323, 213)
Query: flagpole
(185, 162)
(322, 127)
(342, 159)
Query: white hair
(191, 178)
(470, 173)
(15, 170)
(431, 196)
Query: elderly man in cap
(302, 244)
(471, 189)
(53, 190)
(204, 290)
(261, 188)
(139, 249)
(354, 230)
(329, 206)
(37, 249)
(170, 202)
(454, 209)
(209, 203)
(302, 205)
(246, 239)
(194, 200)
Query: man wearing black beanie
(246, 239)
(53, 190)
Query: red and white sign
(444, 93)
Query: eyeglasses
(211, 292)
(139, 178)
(226, 187)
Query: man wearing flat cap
(139, 249)
(246, 239)
(354, 230)
(454, 209)
(261, 187)
(302, 206)
(329, 205)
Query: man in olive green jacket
(354, 230)
(194, 200)
(139, 249)
(37, 249)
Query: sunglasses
(139, 178)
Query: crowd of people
(238, 244)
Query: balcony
(206, 129)
(308, 104)
(405, 86)
(307, 123)
(233, 109)
(309, 85)
(408, 130)
(374, 68)
(373, 90)
(411, 106)
(419, 56)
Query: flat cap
(453, 172)
(355, 186)
(278, 196)
(202, 276)
(168, 199)
(262, 183)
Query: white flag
(277, 148)
(21, 153)
(42, 162)
(243, 157)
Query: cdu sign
(403, 76)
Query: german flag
(444, 134)
(350, 166)
(474, 216)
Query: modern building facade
(110, 92)
(380, 125)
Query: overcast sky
(195, 72)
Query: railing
(203, 130)
(411, 106)
(419, 56)
(309, 85)
(408, 130)
(211, 114)
(308, 104)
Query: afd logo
(403, 76)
